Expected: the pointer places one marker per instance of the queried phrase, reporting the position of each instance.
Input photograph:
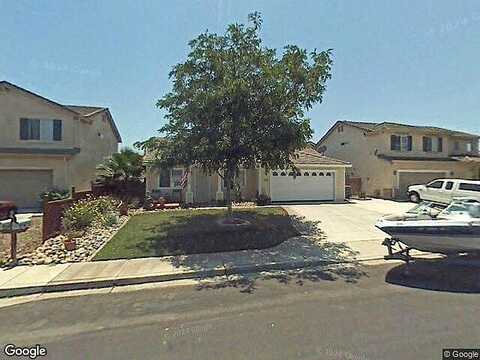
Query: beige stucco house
(44, 144)
(388, 157)
(319, 178)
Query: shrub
(262, 200)
(54, 194)
(84, 213)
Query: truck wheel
(414, 197)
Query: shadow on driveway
(311, 244)
(460, 274)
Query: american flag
(184, 179)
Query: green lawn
(196, 231)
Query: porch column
(219, 193)
(189, 193)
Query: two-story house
(388, 157)
(45, 145)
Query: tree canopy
(235, 103)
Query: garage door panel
(23, 187)
(308, 185)
(415, 178)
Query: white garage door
(23, 187)
(308, 184)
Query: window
(321, 174)
(40, 129)
(299, 173)
(401, 142)
(329, 174)
(314, 173)
(469, 147)
(449, 185)
(290, 173)
(177, 175)
(283, 173)
(439, 144)
(456, 146)
(427, 144)
(164, 178)
(306, 173)
(435, 184)
(469, 187)
(170, 178)
(274, 173)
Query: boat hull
(439, 238)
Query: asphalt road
(359, 312)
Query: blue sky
(408, 61)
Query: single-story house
(319, 178)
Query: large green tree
(235, 103)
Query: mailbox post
(14, 226)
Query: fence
(355, 184)
(53, 210)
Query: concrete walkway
(347, 235)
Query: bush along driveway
(186, 232)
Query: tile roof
(313, 157)
(371, 126)
(85, 110)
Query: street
(342, 312)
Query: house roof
(312, 157)
(375, 126)
(83, 111)
(86, 110)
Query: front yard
(27, 241)
(197, 231)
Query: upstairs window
(440, 144)
(41, 129)
(427, 144)
(401, 143)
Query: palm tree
(121, 168)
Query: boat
(453, 230)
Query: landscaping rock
(53, 251)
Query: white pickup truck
(444, 190)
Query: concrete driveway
(352, 223)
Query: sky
(407, 61)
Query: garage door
(415, 178)
(24, 186)
(305, 185)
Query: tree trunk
(228, 193)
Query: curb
(193, 274)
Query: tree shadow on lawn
(202, 234)
(309, 244)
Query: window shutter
(23, 129)
(57, 130)
(409, 141)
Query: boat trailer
(397, 251)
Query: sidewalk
(295, 253)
